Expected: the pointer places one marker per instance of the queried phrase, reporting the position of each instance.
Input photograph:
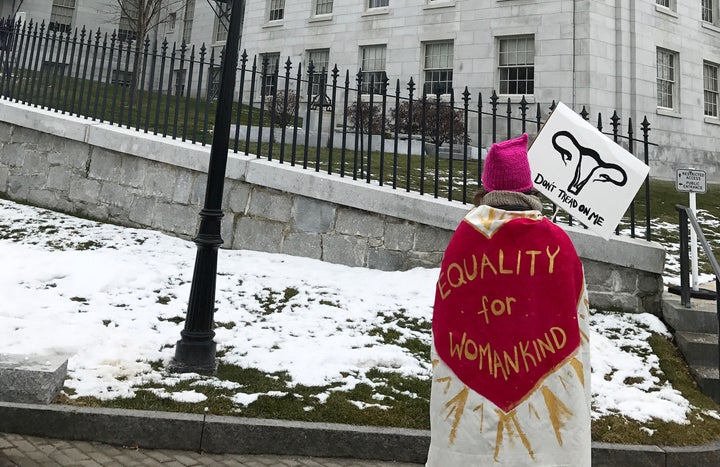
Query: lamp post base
(194, 357)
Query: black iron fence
(357, 125)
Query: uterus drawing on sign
(588, 163)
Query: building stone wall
(131, 178)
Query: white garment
(550, 427)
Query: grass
(394, 400)
(404, 400)
(410, 173)
(187, 117)
(665, 218)
(703, 428)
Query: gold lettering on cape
(522, 357)
(441, 284)
(501, 263)
(533, 254)
(551, 266)
(465, 270)
(470, 277)
(457, 350)
(555, 331)
(497, 362)
(510, 362)
(486, 262)
(526, 355)
(545, 345)
(460, 276)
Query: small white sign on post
(583, 171)
(690, 180)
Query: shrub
(282, 114)
(370, 118)
(437, 130)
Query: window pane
(188, 20)
(323, 7)
(665, 78)
(269, 63)
(378, 3)
(128, 22)
(319, 58)
(222, 22)
(438, 67)
(707, 10)
(277, 10)
(516, 61)
(711, 91)
(372, 68)
(61, 15)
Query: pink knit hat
(507, 167)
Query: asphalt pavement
(29, 451)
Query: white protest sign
(583, 171)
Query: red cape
(505, 311)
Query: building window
(710, 87)
(61, 15)
(438, 67)
(214, 76)
(323, 7)
(269, 79)
(172, 17)
(517, 65)
(188, 20)
(277, 10)
(180, 77)
(709, 11)
(666, 79)
(378, 3)
(320, 59)
(372, 68)
(668, 4)
(222, 22)
(128, 22)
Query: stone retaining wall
(131, 178)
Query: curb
(235, 435)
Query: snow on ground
(113, 299)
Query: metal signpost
(692, 181)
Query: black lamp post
(195, 351)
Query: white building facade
(642, 58)
(658, 59)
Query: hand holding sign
(583, 171)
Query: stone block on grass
(32, 379)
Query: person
(510, 350)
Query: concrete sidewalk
(165, 438)
(25, 451)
